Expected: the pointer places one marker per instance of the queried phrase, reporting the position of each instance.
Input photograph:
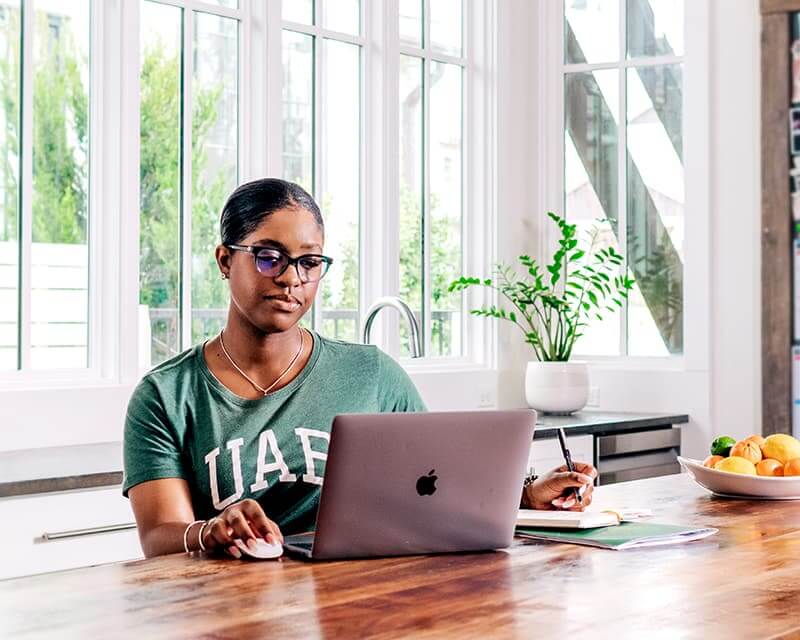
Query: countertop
(97, 465)
(60, 468)
(605, 422)
(743, 582)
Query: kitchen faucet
(404, 310)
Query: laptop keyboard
(305, 546)
(304, 541)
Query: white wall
(720, 387)
(518, 158)
(736, 217)
(718, 382)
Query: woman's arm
(163, 510)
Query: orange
(710, 461)
(781, 446)
(769, 467)
(735, 464)
(748, 450)
(759, 440)
(792, 468)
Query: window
(322, 143)
(189, 155)
(431, 147)
(44, 177)
(323, 147)
(623, 160)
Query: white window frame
(319, 34)
(114, 198)
(696, 144)
(105, 258)
(379, 237)
(114, 187)
(242, 15)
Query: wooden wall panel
(776, 238)
(779, 6)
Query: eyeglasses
(272, 263)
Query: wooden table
(742, 583)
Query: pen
(562, 440)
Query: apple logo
(426, 485)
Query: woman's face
(273, 303)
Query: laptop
(417, 483)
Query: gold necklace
(263, 390)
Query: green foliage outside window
(60, 138)
(60, 198)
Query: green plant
(552, 310)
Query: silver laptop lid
(409, 483)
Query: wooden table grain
(742, 583)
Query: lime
(722, 446)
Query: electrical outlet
(594, 397)
(486, 400)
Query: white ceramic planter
(559, 388)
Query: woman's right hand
(245, 520)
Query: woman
(228, 439)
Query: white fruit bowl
(739, 485)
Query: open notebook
(578, 519)
(626, 535)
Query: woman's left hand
(554, 490)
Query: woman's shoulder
(361, 358)
(344, 351)
(166, 376)
(367, 366)
(175, 365)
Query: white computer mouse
(263, 551)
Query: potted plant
(552, 307)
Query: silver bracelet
(186, 534)
(200, 537)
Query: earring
(224, 276)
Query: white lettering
(211, 461)
(267, 439)
(310, 475)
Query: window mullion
(426, 208)
(363, 192)
(245, 97)
(272, 78)
(622, 171)
(103, 352)
(214, 9)
(187, 70)
(318, 178)
(425, 331)
(417, 52)
(380, 219)
(426, 24)
(129, 18)
(26, 189)
(316, 30)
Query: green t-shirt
(183, 423)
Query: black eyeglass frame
(256, 249)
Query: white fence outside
(59, 311)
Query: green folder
(628, 535)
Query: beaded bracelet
(530, 478)
(186, 534)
